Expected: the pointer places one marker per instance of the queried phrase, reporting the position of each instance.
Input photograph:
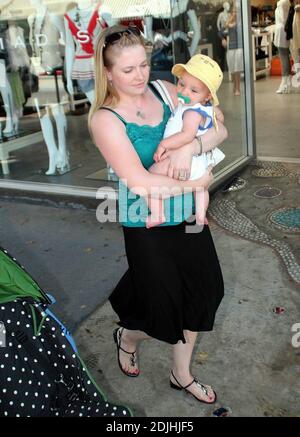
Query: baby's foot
(201, 220)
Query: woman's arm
(219, 114)
(181, 159)
(213, 138)
(120, 154)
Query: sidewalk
(248, 358)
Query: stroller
(41, 372)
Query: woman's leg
(182, 354)
(129, 341)
(236, 83)
(284, 55)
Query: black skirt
(174, 282)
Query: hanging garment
(44, 39)
(83, 65)
(17, 88)
(289, 23)
(17, 53)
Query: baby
(197, 111)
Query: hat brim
(179, 69)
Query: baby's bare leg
(156, 205)
(201, 204)
(156, 216)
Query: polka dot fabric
(40, 374)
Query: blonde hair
(104, 91)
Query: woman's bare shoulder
(170, 86)
(104, 116)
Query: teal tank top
(133, 209)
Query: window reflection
(47, 76)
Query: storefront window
(47, 77)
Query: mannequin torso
(82, 25)
(223, 17)
(17, 53)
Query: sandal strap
(184, 388)
(119, 344)
(201, 386)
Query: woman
(235, 56)
(174, 283)
(283, 44)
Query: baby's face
(193, 88)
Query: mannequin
(281, 42)
(12, 112)
(18, 59)
(58, 156)
(223, 17)
(82, 25)
(13, 106)
(182, 11)
(46, 33)
(295, 41)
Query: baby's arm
(191, 122)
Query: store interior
(44, 136)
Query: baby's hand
(159, 152)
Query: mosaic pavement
(286, 219)
(267, 193)
(266, 169)
(227, 216)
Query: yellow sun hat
(205, 69)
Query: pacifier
(183, 99)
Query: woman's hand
(180, 161)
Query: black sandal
(117, 338)
(201, 386)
